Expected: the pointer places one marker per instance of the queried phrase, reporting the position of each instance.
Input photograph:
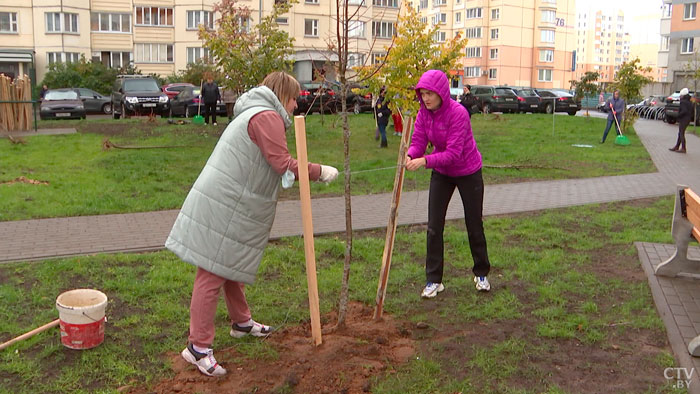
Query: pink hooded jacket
(448, 129)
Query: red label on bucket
(82, 336)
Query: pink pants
(205, 297)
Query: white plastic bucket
(81, 314)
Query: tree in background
(630, 80)
(246, 55)
(194, 73)
(586, 86)
(414, 52)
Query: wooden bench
(686, 226)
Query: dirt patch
(345, 362)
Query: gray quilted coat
(225, 221)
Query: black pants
(471, 189)
(209, 109)
(680, 142)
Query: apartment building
(161, 36)
(515, 43)
(603, 45)
(678, 51)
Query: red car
(172, 89)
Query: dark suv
(138, 95)
(673, 105)
(496, 98)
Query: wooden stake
(29, 334)
(393, 216)
(307, 223)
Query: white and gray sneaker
(256, 329)
(204, 361)
(432, 289)
(482, 284)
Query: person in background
(615, 107)
(383, 113)
(398, 123)
(210, 95)
(468, 100)
(456, 163)
(43, 91)
(225, 222)
(685, 115)
(229, 99)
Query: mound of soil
(343, 363)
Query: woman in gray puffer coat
(225, 221)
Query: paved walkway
(46, 238)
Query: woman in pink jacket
(456, 162)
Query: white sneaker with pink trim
(204, 361)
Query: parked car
(138, 95)
(61, 104)
(673, 104)
(94, 102)
(455, 93)
(528, 100)
(496, 98)
(356, 101)
(187, 104)
(316, 97)
(558, 101)
(172, 89)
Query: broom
(620, 139)
(199, 119)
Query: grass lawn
(570, 310)
(85, 180)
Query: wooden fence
(15, 116)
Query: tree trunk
(343, 303)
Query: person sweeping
(225, 221)
(615, 107)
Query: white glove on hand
(379, 115)
(328, 174)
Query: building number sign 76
(559, 21)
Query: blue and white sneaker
(255, 329)
(432, 289)
(482, 284)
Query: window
(549, 16)
(383, 29)
(378, 57)
(112, 59)
(437, 3)
(473, 13)
(494, 34)
(423, 4)
(243, 24)
(356, 60)
(440, 36)
(357, 2)
(311, 27)
(493, 53)
(424, 20)
(666, 10)
(58, 22)
(665, 43)
(547, 36)
(473, 52)
(283, 20)
(196, 54)
(116, 23)
(546, 55)
(153, 53)
(311, 1)
(544, 75)
(473, 32)
(687, 45)
(493, 73)
(8, 22)
(472, 72)
(458, 17)
(154, 16)
(356, 29)
(439, 18)
(62, 57)
(495, 14)
(196, 18)
(387, 3)
(689, 10)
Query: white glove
(379, 115)
(328, 174)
